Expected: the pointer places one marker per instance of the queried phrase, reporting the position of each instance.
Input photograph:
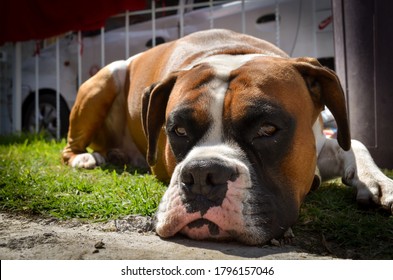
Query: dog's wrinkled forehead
(212, 83)
(216, 84)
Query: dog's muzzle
(206, 196)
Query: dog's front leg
(93, 106)
(356, 168)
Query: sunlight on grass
(33, 179)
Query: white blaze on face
(223, 65)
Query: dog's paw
(375, 189)
(88, 160)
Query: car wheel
(47, 119)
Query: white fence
(59, 66)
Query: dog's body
(232, 122)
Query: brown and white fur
(232, 123)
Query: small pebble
(99, 245)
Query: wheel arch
(30, 99)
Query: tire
(47, 116)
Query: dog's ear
(325, 89)
(154, 101)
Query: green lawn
(33, 180)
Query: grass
(331, 223)
(33, 180)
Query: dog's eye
(180, 131)
(267, 130)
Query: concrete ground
(26, 237)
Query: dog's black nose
(207, 178)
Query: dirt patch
(27, 237)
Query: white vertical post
(102, 47)
(181, 20)
(79, 54)
(243, 17)
(278, 43)
(57, 88)
(37, 97)
(127, 30)
(211, 14)
(17, 82)
(315, 30)
(153, 22)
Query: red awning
(22, 20)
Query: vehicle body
(298, 35)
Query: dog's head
(238, 141)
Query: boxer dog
(232, 123)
